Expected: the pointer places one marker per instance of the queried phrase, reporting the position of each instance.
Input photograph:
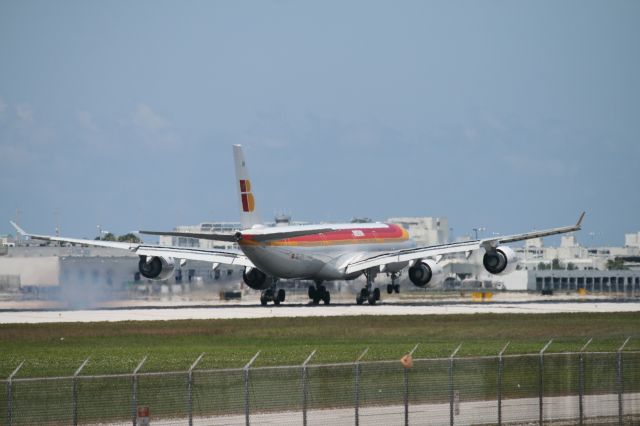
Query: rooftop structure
(206, 227)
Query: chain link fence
(543, 388)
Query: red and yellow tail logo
(248, 203)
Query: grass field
(58, 349)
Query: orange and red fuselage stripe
(390, 233)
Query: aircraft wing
(408, 255)
(228, 257)
(418, 253)
(230, 238)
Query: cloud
(24, 113)
(146, 119)
(3, 106)
(86, 120)
(152, 128)
(540, 165)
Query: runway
(217, 311)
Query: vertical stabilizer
(248, 214)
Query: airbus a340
(315, 252)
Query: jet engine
(156, 268)
(256, 279)
(500, 260)
(426, 272)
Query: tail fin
(249, 217)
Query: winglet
(20, 230)
(579, 223)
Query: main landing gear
(319, 292)
(366, 294)
(272, 295)
(393, 286)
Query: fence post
(134, 392)
(75, 392)
(190, 387)
(581, 380)
(406, 389)
(246, 387)
(10, 394)
(451, 383)
(620, 383)
(541, 383)
(304, 387)
(357, 386)
(500, 383)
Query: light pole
(479, 229)
(56, 219)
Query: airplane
(318, 253)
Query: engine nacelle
(501, 260)
(255, 278)
(426, 272)
(157, 268)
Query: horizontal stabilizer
(257, 237)
(231, 238)
(271, 236)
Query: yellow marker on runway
(481, 297)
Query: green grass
(58, 349)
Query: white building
(203, 228)
(7, 241)
(632, 240)
(425, 231)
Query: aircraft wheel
(390, 288)
(316, 300)
(372, 300)
(281, 295)
(276, 301)
(364, 294)
(396, 288)
(326, 298)
(263, 301)
(312, 292)
(376, 293)
(359, 300)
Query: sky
(510, 116)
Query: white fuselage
(325, 256)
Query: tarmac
(12, 313)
